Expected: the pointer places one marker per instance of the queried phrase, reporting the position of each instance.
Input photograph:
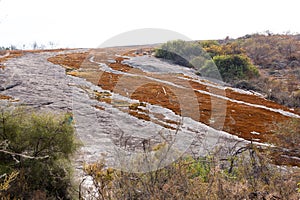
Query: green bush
(38, 146)
(213, 48)
(229, 60)
(180, 52)
(235, 67)
(198, 62)
(209, 70)
(177, 59)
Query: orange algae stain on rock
(4, 97)
(99, 107)
(72, 60)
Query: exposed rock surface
(35, 82)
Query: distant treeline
(34, 45)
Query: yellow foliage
(159, 146)
(99, 173)
(134, 106)
(7, 181)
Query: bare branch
(23, 155)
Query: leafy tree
(38, 147)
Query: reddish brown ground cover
(71, 60)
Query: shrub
(245, 85)
(235, 67)
(209, 43)
(213, 48)
(180, 52)
(230, 59)
(267, 50)
(37, 146)
(287, 134)
(177, 59)
(198, 62)
(210, 70)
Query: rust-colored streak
(155, 94)
(108, 81)
(248, 98)
(4, 97)
(72, 60)
(99, 107)
(139, 115)
(123, 68)
(243, 120)
(254, 99)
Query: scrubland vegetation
(35, 148)
(278, 59)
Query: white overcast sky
(88, 23)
